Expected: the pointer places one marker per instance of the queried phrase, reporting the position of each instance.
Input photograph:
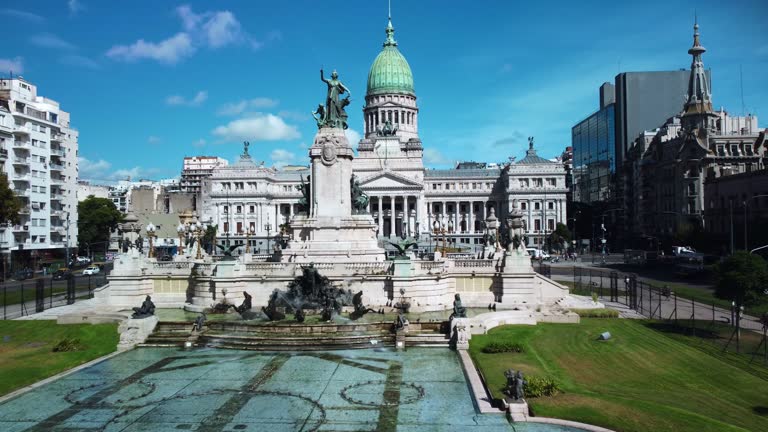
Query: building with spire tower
(667, 168)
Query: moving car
(62, 273)
(537, 253)
(23, 274)
(92, 270)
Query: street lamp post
(181, 230)
(248, 233)
(268, 228)
(198, 231)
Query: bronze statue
(359, 198)
(147, 309)
(246, 305)
(199, 322)
(333, 114)
(459, 311)
(515, 387)
(304, 188)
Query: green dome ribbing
(390, 72)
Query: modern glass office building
(594, 156)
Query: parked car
(82, 259)
(23, 274)
(92, 270)
(62, 273)
(537, 254)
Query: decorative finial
(245, 148)
(389, 10)
(390, 41)
(530, 143)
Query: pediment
(388, 180)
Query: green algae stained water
(161, 389)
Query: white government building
(405, 197)
(38, 153)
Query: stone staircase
(295, 337)
(169, 334)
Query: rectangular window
(537, 224)
(551, 224)
(226, 227)
(523, 206)
(536, 206)
(551, 205)
(251, 209)
(239, 227)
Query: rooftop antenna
(389, 9)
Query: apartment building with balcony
(39, 156)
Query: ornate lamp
(151, 235)
(181, 230)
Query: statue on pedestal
(515, 385)
(147, 309)
(305, 189)
(459, 311)
(515, 230)
(333, 114)
(359, 198)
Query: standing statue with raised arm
(334, 115)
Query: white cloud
(154, 139)
(169, 51)
(281, 157)
(293, 115)
(50, 40)
(257, 127)
(211, 29)
(78, 60)
(129, 173)
(434, 157)
(197, 100)
(222, 29)
(353, 136)
(199, 143)
(236, 108)
(75, 6)
(14, 65)
(92, 169)
(28, 16)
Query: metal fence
(722, 328)
(21, 298)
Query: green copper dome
(390, 72)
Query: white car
(537, 253)
(92, 270)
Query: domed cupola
(390, 72)
(390, 99)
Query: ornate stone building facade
(405, 197)
(667, 170)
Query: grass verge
(640, 380)
(26, 349)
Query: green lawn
(640, 380)
(26, 354)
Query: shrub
(502, 347)
(538, 386)
(68, 344)
(596, 313)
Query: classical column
(381, 215)
(457, 217)
(485, 210)
(392, 215)
(470, 218)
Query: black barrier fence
(724, 328)
(21, 298)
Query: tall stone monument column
(331, 161)
(334, 224)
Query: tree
(10, 205)
(97, 218)
(560, 236)
(742, 278)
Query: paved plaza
(218, 390)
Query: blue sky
(155, 81)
